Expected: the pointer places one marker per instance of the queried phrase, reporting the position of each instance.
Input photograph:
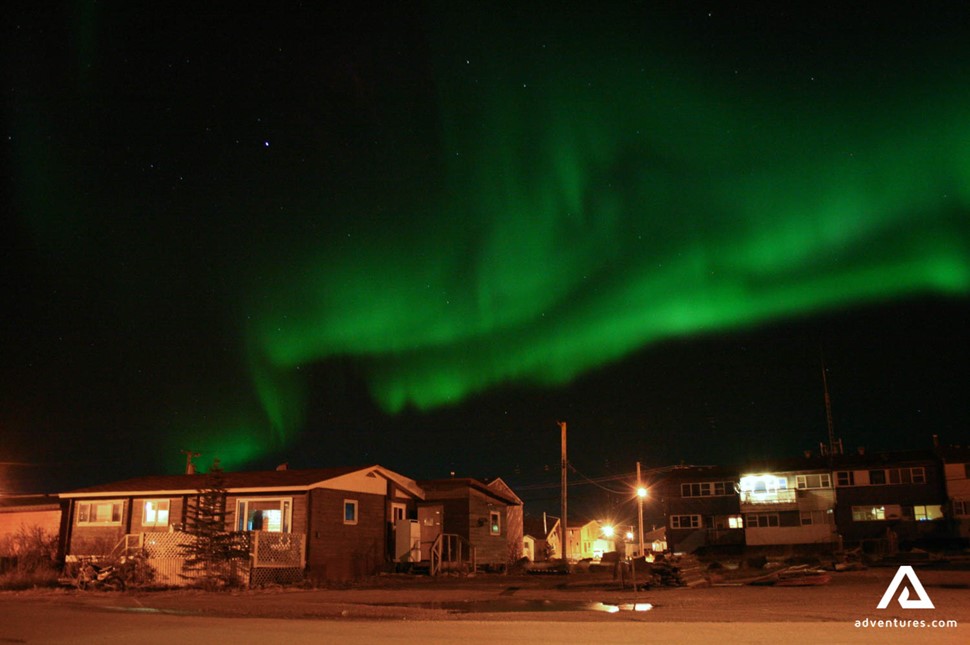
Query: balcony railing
(786, 496)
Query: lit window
(735, 522)
(270, 514)
(868, 513)
(104, 513)
(494, 522)
(350, 511)
(928, 513)
(155, 513)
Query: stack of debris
(678, 571)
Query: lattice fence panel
(277, 550)
(165, 555)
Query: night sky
(420, 236)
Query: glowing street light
(608, 531)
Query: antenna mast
(835, 447)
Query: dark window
(877, 477)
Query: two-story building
(956, 473)
(789, 503)
(701, 507)
(890, 499)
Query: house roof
(430, 486)
(954, 454)
(15, 503)
(534, 527)
(499, 484)
(253, 481)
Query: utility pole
(562, 520)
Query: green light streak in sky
(585, 213)
(233, 439)
(593, 193)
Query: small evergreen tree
(214, 553)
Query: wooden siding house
(541, 539)
(332, 524)
(588, 541)
(18, 512)
(514, 520)
(27, 516)
(478, 514)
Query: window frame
(494, 523)
(803, 482)
(92, 505)
(762, 521)
(869, 513)
(285, 507)
(961, 507)
(694, 521)
(707, 489)
(924, 512)
(351, 503)
(167, 503)
(845, 478)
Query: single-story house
(486, 520)
(331, 523)
(27, 516)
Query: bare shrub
(33, 554)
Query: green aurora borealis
(592, 209)
(469, 198)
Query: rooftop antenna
(835, 446)
(189, 456)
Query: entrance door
(430, 519)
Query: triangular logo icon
(906, 571)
